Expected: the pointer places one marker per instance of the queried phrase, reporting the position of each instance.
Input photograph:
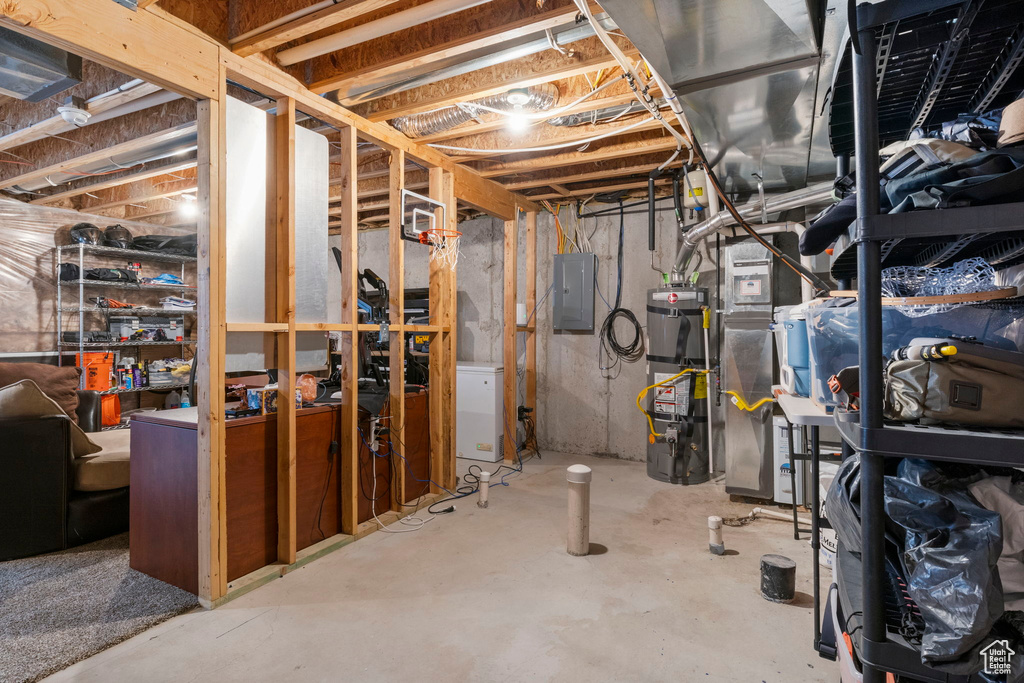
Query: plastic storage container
(833, 326)
(790, 328)
(96, 366)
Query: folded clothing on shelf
(174, 302)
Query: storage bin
(833, 328)
(96, 366)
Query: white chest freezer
(479, 426)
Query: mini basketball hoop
(444, 245)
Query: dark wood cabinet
(163, 532)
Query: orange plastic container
(110, 405)
(96, 366)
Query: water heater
(678, 409)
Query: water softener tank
(678, 408)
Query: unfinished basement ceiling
(753, 75)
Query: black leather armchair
(39, 509)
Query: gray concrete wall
(581, 408)
(479, 283)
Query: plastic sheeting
(950, 549)
(29, 234)
(832, 330)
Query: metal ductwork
(533, 99)
(32, 70)
(813, 194)
(178, 145)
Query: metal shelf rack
(931, 33)
(135, 310)
(77, 253)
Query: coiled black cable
(610, 345)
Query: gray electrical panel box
(574, 291)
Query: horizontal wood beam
(473, 189)
(70, 166)
(600, 189)
(619, 150)
(544, 67)
(546, 136)
(138, 176)
(455, 48)
(562, 179)
(473, 128)
(140, 44)
(303, 26)
(173, 189)
(56, 124)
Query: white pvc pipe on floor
(578, 542)
(374, 29)
(483, 487)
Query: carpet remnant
(60, 608)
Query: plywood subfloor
(491, 595)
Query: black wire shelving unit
(919, 63)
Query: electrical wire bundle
(612, 350)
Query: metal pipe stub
(778, 578)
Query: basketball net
(444, 245)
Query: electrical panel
(574, 291)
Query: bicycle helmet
(117, 236)
(87, 233)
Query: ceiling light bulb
(518, 97)
(188, 209)
(518, 122)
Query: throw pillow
(26, 399)
(59, 383)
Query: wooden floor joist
(521, 73)
(341, 11)
(614, 150)
(439, 53)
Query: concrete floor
(491, 595)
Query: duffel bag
(952, 381)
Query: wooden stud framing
(169, 53)
(396, 307)
(531, 305)
(140, 44)
(284, 161)
(350, 442)
(509, 338)
(210, 347)
(448, 300)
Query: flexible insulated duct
(535, 98)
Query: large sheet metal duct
(751, 75)
(32, 70)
